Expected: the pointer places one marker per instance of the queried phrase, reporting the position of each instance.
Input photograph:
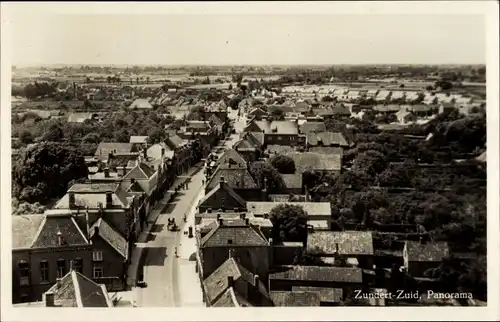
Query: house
(405, 116)
(316, 161)
(205, 221)
(312, 127)
(183, 154)
(355, 246)
(139, 140)
(372, 93)
(107, 200)
(231, 156)
(419, 257)
(383, 95)
(277, 132)
(104, 149)
(42, 248)
(141, 103)
(422, 110)
(239, 179)
(327, 296)
(232, 276)
(412, 97)
(250, 145)
(233, 238)
(446, 108)
(75, 290)
(397, 95)
(110, 255)
(326, 139)
(198, 126)
(82, 117)
(257, 113)
(295, 298)
(222, 197)
(293, 184)
(217, 124)
(430, 98)
(387, 109)
(353, 95)
(285, 278)
(318, 213)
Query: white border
(487, 8)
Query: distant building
(419, 257)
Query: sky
(248, 39)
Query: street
(172, 280)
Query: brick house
(183, 156)
(42, 248)
(247, 287)
(355, 246)
(249, 245)
(250, 147)
(419, 257)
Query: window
(61, 268)
(24, 272)
(98, 273)
(97, 256)
(279, 138)
(78, 265)
(44, 271)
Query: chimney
(71, 196)
(145, 151)
(87, 223)
(106, 173)
(230, 281)
(255, 279)
(49, 299)
(58, 283)
(59, 238)
(221, 222)
(336, 247)
(109, 199)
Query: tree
(277, 112)
(289, 223)
(54, 133)
(372, 162)
(284, 164)
(156, 135)
(26, 137)
(91, 138)
(265, 174)
(44, 171)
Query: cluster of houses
(90, 232)
(238, 261)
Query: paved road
(172, 281)
(159, 268)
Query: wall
(33, 257)
(112, 264)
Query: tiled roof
(111, 236)
(292, 181)
(326, 294)
(315, 161)
(231, 156)
(24, 229)
(154, 151)
(259, 208)
(349, 242)
(326, 139)
(122, 160)
(139, 139)
(215, 120)
(135, 188)
(76, 290)
(93, 200)
(319, 273)
(326, 150)
(428, 252)
(295, 298)
(141, 171)
(284, 127)
(256, 138)
(217, 282)
(236, 198)
(279, 149)
(105, 148)
(257, 111)
(236, 234)
(141, 103)
(264, 126)
(174, 141)
(235, 177)
(47, 234)
(244, 145)
(312, 127)
(231, 298)
(340, 110)
(387, 108)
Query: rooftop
(348, 242)
(319, 273)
